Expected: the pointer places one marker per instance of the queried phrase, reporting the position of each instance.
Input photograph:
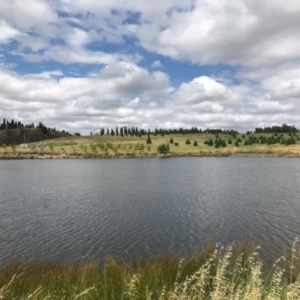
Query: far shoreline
(19, 156)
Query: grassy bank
(98, 146)
(214, 273)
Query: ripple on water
(94, 208)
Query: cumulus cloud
(7, 32)
(89, 61)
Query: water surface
(82, 209)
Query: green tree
(195, 144)
(217, 144)
(149, 139)
(188, 142)
(171, 141)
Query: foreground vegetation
(235, 272)
(153, 145)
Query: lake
(70, 210)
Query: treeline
(135, 131)
(277, 129)
(6, 125)
(15, 132)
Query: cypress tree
(171, 141)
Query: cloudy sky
(82, 65)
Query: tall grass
(235, 272)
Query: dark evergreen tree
(195, 144)
(223, 143)
(217, 144)
(171, 141)
(188, 142)
(149, 139)
(210, 143)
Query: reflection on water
(78, 209)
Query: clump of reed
(234, 272)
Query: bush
(176, 144)
(163, 148)
(229, 142)
(188, 142)
(171, 141)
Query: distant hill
(16, 136)
(15, 132)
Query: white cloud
(199, 90)
(157, 64)
(7, 32)
(259, 38)
(29, 13)
(240, 32)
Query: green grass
(213, 273)
(132, 146)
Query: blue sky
(85, 65)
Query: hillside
(16, 136)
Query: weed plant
(215, 273)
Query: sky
(83, 65)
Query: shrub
(188, 142)
(171, 141)
(229, 142)
(176, 144)
(163, 148)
